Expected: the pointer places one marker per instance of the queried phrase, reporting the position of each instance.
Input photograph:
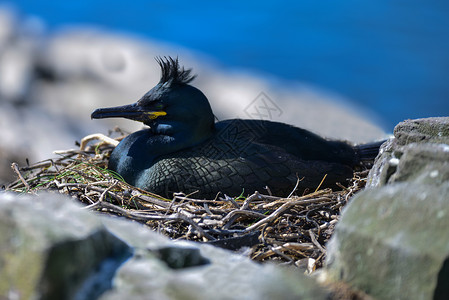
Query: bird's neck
(173, 137)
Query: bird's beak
(132, 111)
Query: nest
(292, 230)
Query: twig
(230, 217)
(248, 200)
(322, 180)
(315, 242)
(231, 200)
(15, 167)
(97, 136)
(296, 186)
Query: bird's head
(172, 107)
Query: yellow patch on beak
(154, 114)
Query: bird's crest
(172, 73)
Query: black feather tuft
(172, 73)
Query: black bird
(185, 150)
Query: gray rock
(419, 152)
(427, 130)
(51, 249)
(228, 276)
(206, 272)
(393, 242)
(384, 165)
(422, 163)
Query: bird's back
(246, 155)
(299, 142)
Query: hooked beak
(132, 111)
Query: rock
(393, 242)
(419, 150)
(384, 165)
(427, 130)
(50, 248)
(422, 163)
(186, 270)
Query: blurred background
(344, 69)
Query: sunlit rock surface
(418, 151)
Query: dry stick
(327, 224)
(262, 255)
(99, 182)
(107, 190)
(103, 194)
(285, 200)
(180, 206)
(269, 197)
(199, 200)
(70, 152)
(286, 236)
(200, 230)
(277, 250)
(170, 206)
(285, 206)
(172, 217)
(152, 200)
(85, 186)
(246, 203)
(40, 165)
(183, 212)
(36, 177)
(206, 208)
(15, 167)
(231, 200)
(121, 211)
(97, 136)
(298, 246)
(88, 198)
(317, 259)
(315, 242)
(322, 180)
(296, 185)
(349, 194)
(262, 234)
(297, 252)
(83, 174)
(229, 219)
(186, 206)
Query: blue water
(388, 56)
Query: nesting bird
(184, 150)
